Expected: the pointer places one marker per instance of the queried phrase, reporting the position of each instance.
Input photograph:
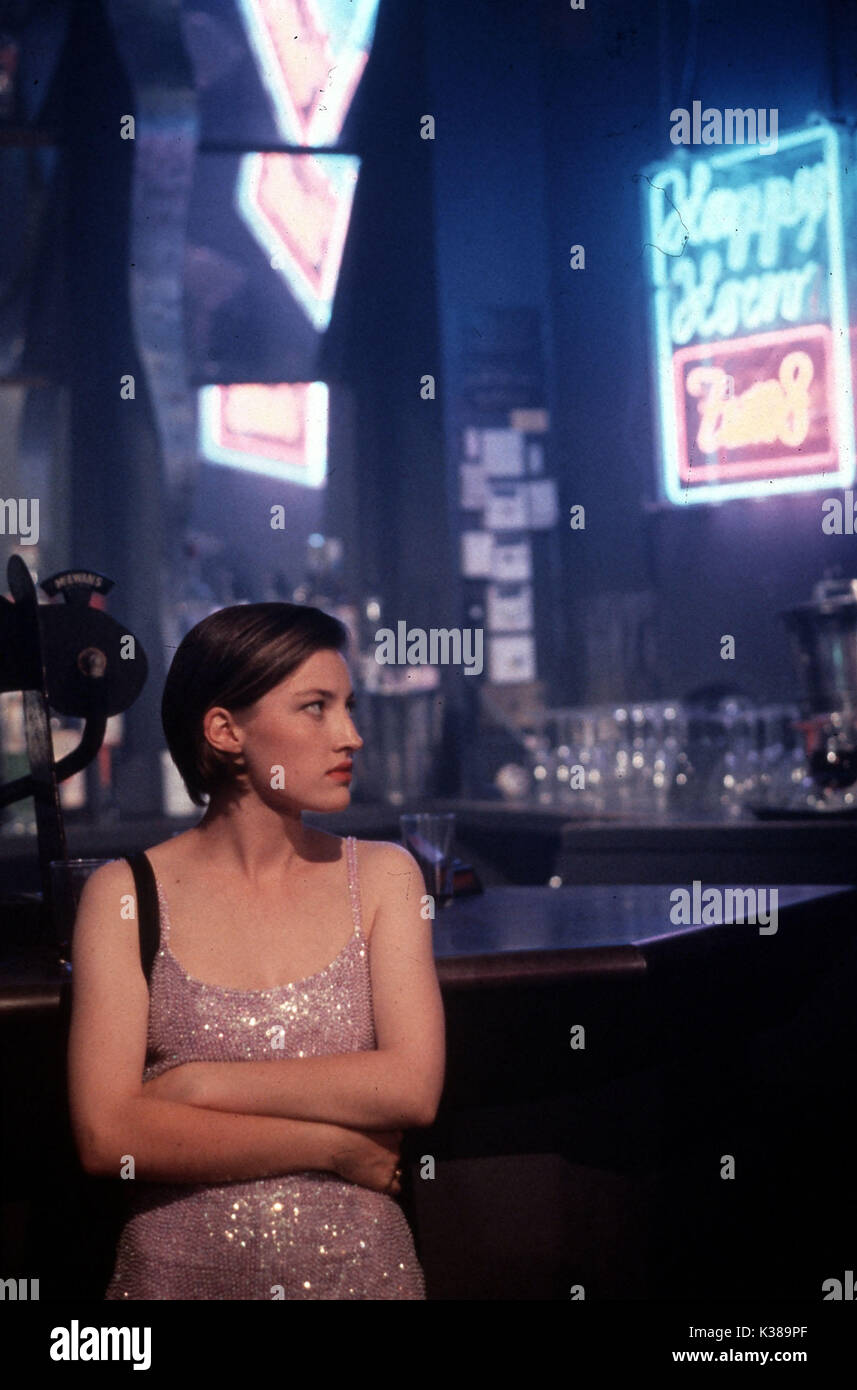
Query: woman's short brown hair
(232, 658)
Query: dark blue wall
(545, 118)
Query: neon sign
(298, 207)
(750, 320)
(310, 55)
(279, 430)
(756, 405)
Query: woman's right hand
(370, 1158)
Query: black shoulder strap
(148, 911)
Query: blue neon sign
(749, 301)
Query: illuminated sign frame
(339, 41)
(259, 451)
(312, 284)
(668, 356)
(823, 461)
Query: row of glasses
(605, 758)
(751, 756)
(663, 758)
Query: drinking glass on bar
(67, 879)
(429, 839)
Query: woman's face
(293, 737)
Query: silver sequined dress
(308, 1235)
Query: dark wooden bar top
(505, 934)
(554, 933)
(609, 899)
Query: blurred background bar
(436, 320)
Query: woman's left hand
(178, 1084)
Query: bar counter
(515, 842)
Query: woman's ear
(220, 730)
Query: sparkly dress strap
(164, 913)
(354, 884)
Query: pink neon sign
(757, 407)
(298, 208)
(311, 55)
(279, 429)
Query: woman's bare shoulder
(382, 861)
(386, 854)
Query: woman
(293, 1025)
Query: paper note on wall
(509, 607)
(511, 562)
(476, 554)
(506, 507)
(511, 659)
(503, 453)
(535, 458)
(472, 489)
(543, 506)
